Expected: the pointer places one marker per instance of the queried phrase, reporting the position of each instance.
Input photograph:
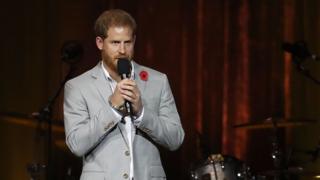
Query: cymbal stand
(277, 154)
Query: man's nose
(122, 49)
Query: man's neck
(112, 72)
(114, 75)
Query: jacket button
(125, 175)
(127, 153)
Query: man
(114, 145)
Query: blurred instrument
(218, 166)
(288, 171)
(280, 160)
(292, 172)
(271, 122)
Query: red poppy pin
(143, 75)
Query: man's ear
(99, 42)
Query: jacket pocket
(157, 173)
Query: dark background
(224, 60)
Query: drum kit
(222, 167)
(227, 167)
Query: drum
(221, 167)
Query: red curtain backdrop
(226, 67)
(224, 60)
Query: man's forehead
(119, 29)
(115, 31)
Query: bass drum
(221, 167)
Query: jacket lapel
(101, 83)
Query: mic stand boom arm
(298, 62)
(45, 115)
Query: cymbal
(297, 171)
(271, 122)
(28, 120)
(289, 171)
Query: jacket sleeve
(83, 131)
(163, 125)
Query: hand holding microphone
(127, 89)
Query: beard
(111, 62)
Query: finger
(133, 95)
(127, 87)
(128, 82)
(128, 98)
(128, 93)
(130, 87)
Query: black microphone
(300, 50)
(71, 51)
(124, 70)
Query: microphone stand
(45, 115)
(298, 62)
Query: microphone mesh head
(124, 66)
(71, 51)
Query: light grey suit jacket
(96, 134)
